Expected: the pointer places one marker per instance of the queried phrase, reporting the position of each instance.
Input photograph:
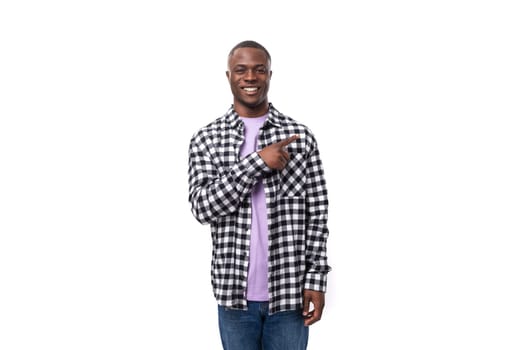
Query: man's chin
(252, 104)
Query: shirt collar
(275, 117)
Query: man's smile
(250, 89)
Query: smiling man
(256, 177)
(249, 73)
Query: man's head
(249, 73)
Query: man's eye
(261, 70)
(240, 70)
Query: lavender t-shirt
(258, 269)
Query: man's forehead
(249, 54)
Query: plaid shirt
(220, 186)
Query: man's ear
(228, 74)
(271, 72)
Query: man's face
(249, 75)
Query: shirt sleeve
(213, 195)
(316, 224)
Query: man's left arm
(317, 266)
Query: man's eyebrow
(245, 65)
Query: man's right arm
(213, 195)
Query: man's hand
(316, 298)
(275, 155)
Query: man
(256, 177)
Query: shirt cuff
(255, 165)
(316, 281)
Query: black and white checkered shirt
(220, 186)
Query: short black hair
(252, 44)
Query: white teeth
(250, 89)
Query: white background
(418, 109)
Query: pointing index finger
(287, 141)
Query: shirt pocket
(292, 179)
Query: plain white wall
(418, 111)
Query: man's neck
(249, 112)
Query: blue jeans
(254, 329)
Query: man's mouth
(250, 89)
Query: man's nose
(250, 75)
